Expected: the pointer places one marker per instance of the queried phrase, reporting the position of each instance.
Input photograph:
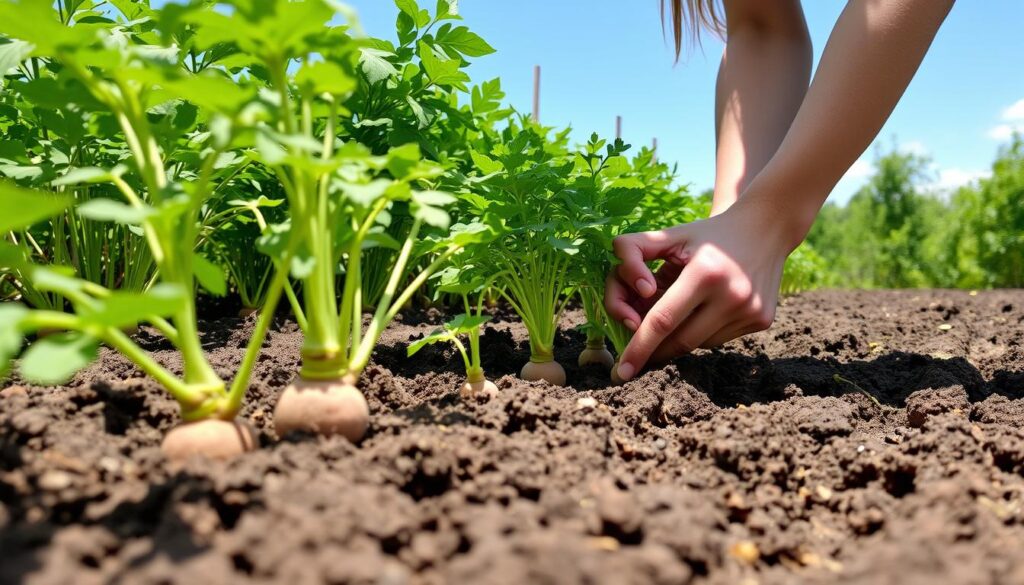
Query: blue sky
(602, 58)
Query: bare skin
(782, 147)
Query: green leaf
(409, 7)
(12, 53)
(442, 71)
(365, 194)
(621, 202)
(270, 150)
(88, 176)
(464, 41)
(324, 77)
(417, 110)
(375, 65)
(36, 21)
(261, 201)
(209, 275)
(122, 309)
(438, 198)
(55, 359)
(274, 239)
(302, 265)
(569, 247)
(447, 9)
(59, 279)
(474, 233)
(23, 207)
(131, 9)
(103, 209)
(463, 323)
(12, 257)
(435, 336)
(429, 215)
(486, 164)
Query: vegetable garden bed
(753, 464)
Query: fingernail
(644, 287)
(626, 371)
(631, 324)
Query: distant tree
(988, 242)
(880, 239)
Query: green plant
(464, 281)
(522, 187)
(48, 138)
(172, 170)
(803, 271)
(340, 191)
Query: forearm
(869, 60)
(762, 80)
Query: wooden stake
(536, 93)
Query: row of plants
(897, 232)
(269, 149)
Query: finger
(661, 321)
(705, 321)
(634, 250)
(617, 302)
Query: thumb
(635, 250)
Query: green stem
(241, 381)
(187, 396)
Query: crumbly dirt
(754, 464)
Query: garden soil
(868, 437)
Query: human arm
(722, 274)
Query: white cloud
(1015, 112)
(1013, 117)
(1001, 132)
(951, 179)
(915, 147)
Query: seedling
(462, 281)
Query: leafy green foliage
(22, 207)
(55, 359)
(461, 324)
(894, 233)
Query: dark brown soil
(753, 464)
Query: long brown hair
(693, 15)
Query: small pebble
(54, 480)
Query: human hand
(720, 281)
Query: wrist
(789, 210)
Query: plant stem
(241, 381)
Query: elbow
(768, 21)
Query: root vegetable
(247, 311)
(211, 438)
(327, 407)
(484, 387)
(551, 372)
(597, 356)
